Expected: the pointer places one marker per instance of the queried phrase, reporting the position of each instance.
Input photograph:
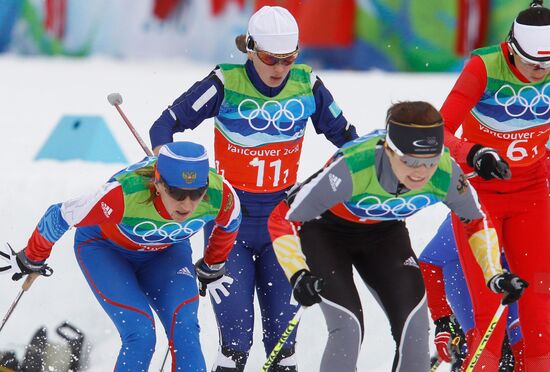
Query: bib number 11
(276, 165)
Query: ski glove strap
(511, 285)
(488, 164)
(18, 264)
(306, 288)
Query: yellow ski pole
(485, 339)
(435, 365)
(288, 331)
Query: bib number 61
(516, 152)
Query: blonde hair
(148, 173)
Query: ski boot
(507, 361)
(230, 360)
(8, 362)
(75, 341)
(35, 352)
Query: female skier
(261, 110)
(450, 305)
(352, 212)
(132, 244)
(502, 101)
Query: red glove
(448, 335)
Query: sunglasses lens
(268, 59)
(543, 65)
(289, 60)
(414, 162)
(534, 64)
(271, 60)
(182, 194)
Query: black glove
(488, 164)
(511, 285)
(207, 274)
(450, 340)
(19, 264)
(306, 288)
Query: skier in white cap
(261, 109)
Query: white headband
(534, 41)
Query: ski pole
(288, 331)
(435, 363)
(115, 99)
(25, 287)
(485, 338)
(457, 358)
(165, 358)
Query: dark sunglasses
(271, 60)
(181, 194)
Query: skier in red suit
(502, 101)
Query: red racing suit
(499, 108)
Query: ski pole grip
(115, 99)
(28, 282)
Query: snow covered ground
(36, 93)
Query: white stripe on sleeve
(172, 114)
(204, 98)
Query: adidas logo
(334, 181)
(184, 271)
(410, 262)
(106, 209)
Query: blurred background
(391, 35)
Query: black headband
(415, 139)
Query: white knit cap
(534, 41)
(274, 30)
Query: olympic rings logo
(523, 101)
(372, 206)
(150, 233)
(272, 117)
